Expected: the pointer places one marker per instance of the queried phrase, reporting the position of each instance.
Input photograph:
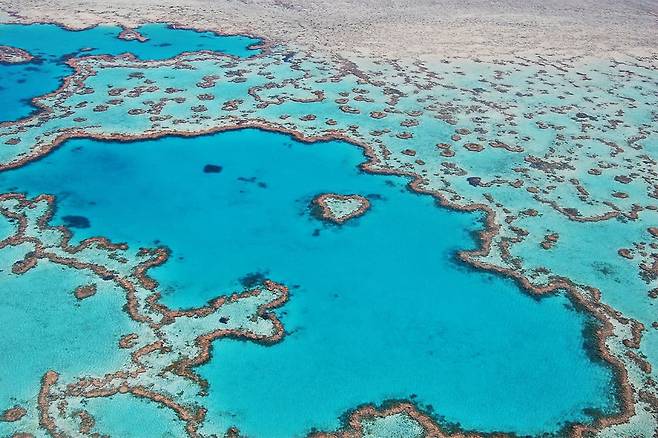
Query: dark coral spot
(212, 168)
(474, 180)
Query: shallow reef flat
(557, 153)
(46, 47)
(13, 55)
(341, 208)
(404, 28)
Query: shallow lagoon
(379, 309)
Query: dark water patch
(76, 221)
(252, 279)
(212, 168)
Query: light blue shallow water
(378, 309)
(53, 45)
(46, 328)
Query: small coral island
(340, 208)
(128, 34)
(14, 55)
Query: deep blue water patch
(53, 45)
(378, 307)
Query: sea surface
(379, 307)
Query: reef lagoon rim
(400, 29)
(235, 207)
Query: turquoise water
(122, 415)
(35, 338)
(53, 45)
(378, 309)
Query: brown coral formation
(474, 147)
(354, 424)
(13, 414)
(341, 208)
(129, 340)
(550, 240)
(14, 55)
(86, 291)
(128, 34)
